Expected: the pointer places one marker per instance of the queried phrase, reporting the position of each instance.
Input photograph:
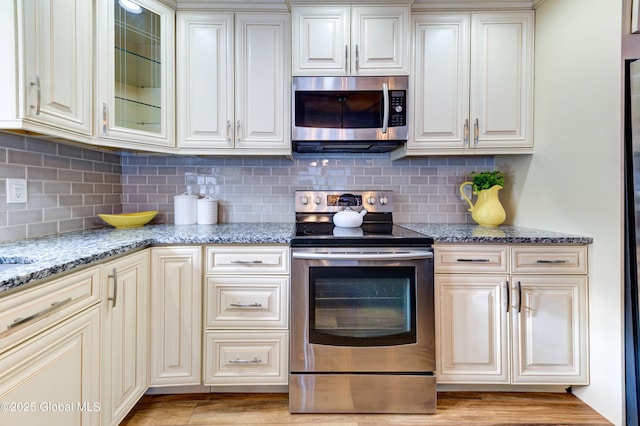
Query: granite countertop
(41, 258)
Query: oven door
(362, 310)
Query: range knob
(384, 200)
(318, 200)
(304, 200)
(371, 200)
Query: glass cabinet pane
(138, 97)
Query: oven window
(340, 109)
(362, 306)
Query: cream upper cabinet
(234, 89)
(472, 79)
(350, 40)
(135, 78)
(125, 324)
(46, 71)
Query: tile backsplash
(252, 189)
(69, 185)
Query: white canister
(185, 211)
(207, 211)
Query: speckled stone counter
(49, 256)
(471, 234)
(45, 257)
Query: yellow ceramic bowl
(128, 220)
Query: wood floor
(454, 408)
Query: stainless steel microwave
(349, 114)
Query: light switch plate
(16, 191)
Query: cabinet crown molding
(444, 5)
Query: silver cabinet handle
(386, 106)
(357, 59)
(462, 259)
(247, 262)
(238, 131)
(255, 360)
(554, 261)
(346, 58)
(115, 288)
(38, 95)
(476, 132)
(466, 132)
(229, 131)
(55, 305)
(246, 305)
(104, 118)
(508, 294)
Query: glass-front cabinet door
(135, 73)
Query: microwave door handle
(385, 107)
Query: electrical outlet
(16, 191)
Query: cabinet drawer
(247, 260)
(246, 358)
(549, 259)
(30, 311)
(247, 302)
(470, 258)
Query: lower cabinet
(511, 314)
(125, 312)
(246, 315)
(176, 316)
(53, 378)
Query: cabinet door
(440, 76)
(53, 378)
(125, 323)
(320, 40)
(58, 71)
(135, 74)
(205, 71)
(501, 107)
(472, 329)
(176, 315)
(549, 323)
(263, 88)
(379, 40)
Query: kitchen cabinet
(362, 39)
(46, 71)
(233, 73)
(511, 314)
(52, 336)
(125, 323)
(176, 316)
(135, 75)
(472, 79)
(246, 315)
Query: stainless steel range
(362, 312)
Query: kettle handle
(465, 195)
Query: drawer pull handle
(247, 262)
(54, 306)
(255, 360)
(474, 260)
(555, 261)
(246, 305)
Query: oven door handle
(364, 255)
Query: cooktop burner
(314, 220)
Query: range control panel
(335, 201)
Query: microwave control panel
(398, 113)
